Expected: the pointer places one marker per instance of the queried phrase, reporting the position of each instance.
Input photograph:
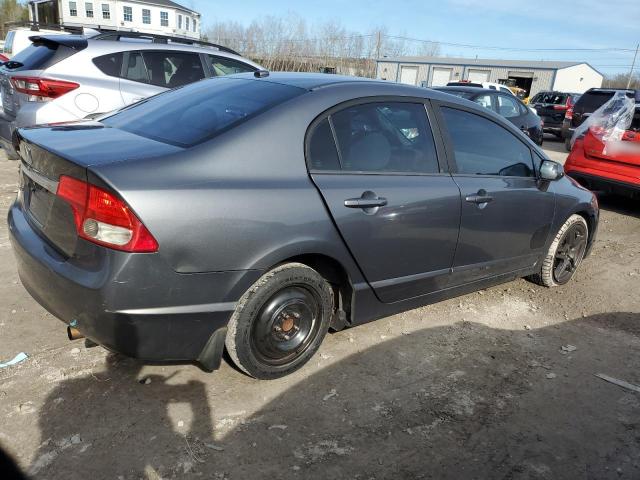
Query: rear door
(506, 213)
(396, 207)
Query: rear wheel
(280, 321)
(565, 253)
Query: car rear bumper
(603, 175)
(130, 303)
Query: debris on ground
(215, 447)
(277, 427)
(620, 383)
(21, 357)
(332, 393)
(568, 349)
(551, 375)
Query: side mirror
(551, 170)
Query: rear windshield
(458, 93)
(589, 102)
(39, 56)
(552, 98)
(198, 112)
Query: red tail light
(105, 219)
(569, 113)
(560, 107)
(42, 87)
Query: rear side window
(508, 107)
(39, 56)
(482, 147)
(322, 152)
(228, 66)
(109, 64)
(200, 111)
(172, 69)
(136, 70)
(385, 137)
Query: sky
(509, 24)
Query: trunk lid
(71, 149)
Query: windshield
(197, 112)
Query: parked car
(206, 218)
(588, 103)
(504, 105)
(551, 107)
(488, 85)
(615, 169)
(68, 77)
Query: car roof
(460, 88)
(313, 81)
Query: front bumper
(133, 304)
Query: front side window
(508, 107)
(106, 13)
(146, 16)
(127, 14)
(385, 137)
(164, 19)
(173, 69)
(73, 9)
(88, 8)
(200, 111)
(482, 147)
(227, 66)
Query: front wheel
(280, 322)
(565, 253)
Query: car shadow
(459, 401)
(620, 204)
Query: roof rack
(156, 38)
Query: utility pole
(633, 65)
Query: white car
(489, 85)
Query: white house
(148, 16)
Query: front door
(375, 165)
(506, 212)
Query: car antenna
(261, 73)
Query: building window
(194, 24)
(73, 9)
(186, 23)
(146, 16)
(179, 22)
(164, 19)
(128, 14)
(106, 13)
(88, 8)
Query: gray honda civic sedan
(255, 212)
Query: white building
(532, 76)
(148, 16)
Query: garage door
(409, 75)
(478, 75)
(441, 76)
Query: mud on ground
(475, 387)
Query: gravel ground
(495, 384)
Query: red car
(615, 171)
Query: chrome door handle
(365, 202)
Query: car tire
(280, 322)
(565, 253)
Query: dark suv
(551, 107)
(588, 103)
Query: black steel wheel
(569, 253)
(280, 322)
(565, 253)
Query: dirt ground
(479, 386)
